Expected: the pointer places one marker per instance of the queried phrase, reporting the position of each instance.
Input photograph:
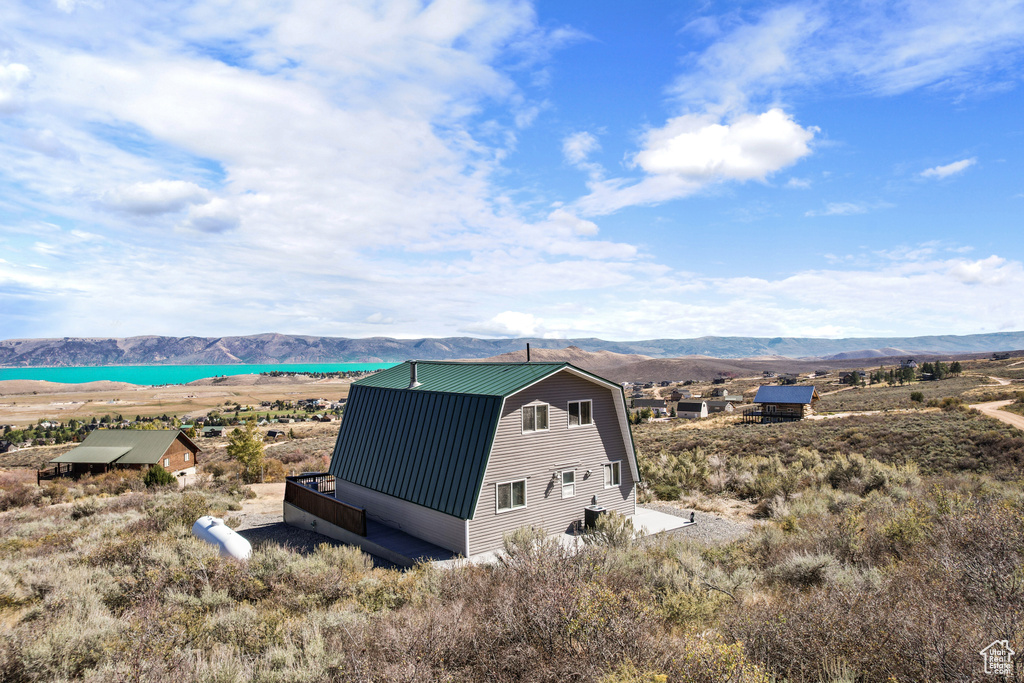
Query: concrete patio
(402, 549)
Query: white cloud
(877, 47)
(751, 59)
(46, 142)
(747, 147)
(578, 146)
(508, 324)
(839, 209)
(156, 197)
(798, 184)
(13, 78)
(69, 6)
(565, 222)
(949, 169)
(695, 150)
(993, 270)
(217, 215)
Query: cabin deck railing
(58, 470)
(759, 416)
(314, 493)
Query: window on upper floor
(580, 413)
(511, 495)
(535, 418)
(612, 474)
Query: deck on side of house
(382, 541)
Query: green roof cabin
(106, 449)
(460, 453)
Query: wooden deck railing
(58, 470)
(314, 493)
(754, 415)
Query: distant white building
(692, 410)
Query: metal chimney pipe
(413, 383)
(527, 352)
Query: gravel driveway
(709, 529)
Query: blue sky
(462, 167)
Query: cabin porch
(309, 503)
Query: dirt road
(992, 410)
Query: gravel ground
(262, 528)
(709, 529)
(259, 529)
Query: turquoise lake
(173, 374)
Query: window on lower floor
(186, 456)
(612, 474)
(580, 413)
(167, 462)
(535, 418)
(511, 495)
(568, 483)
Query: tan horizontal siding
(536, 456)
(430, 525)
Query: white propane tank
(213, 530)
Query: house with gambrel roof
(460, 453)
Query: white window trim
(561, 479)
(581, 401)
(607, 471)
(533, 406)
(167, 462)
(186, 456)
(514, 507)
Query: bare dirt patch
(994, 409)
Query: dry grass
(125, 593)
(881, 397)
(879, 532)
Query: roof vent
(413, 383)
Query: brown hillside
(594, 361)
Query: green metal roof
(488, 379)
(426, 447)
(141, 446)
(97, 455)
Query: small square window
(568, 483)
(511, 495)
(580, 413)
(612, 474)
(535, 418)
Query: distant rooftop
(785, 394)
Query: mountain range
(283, 348)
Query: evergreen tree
(247, 448)
(158, 476)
